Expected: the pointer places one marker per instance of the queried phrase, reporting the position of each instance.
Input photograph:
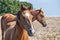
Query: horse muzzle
(31, 32)
(44, 24)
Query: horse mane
(18, 14)
(18, 17)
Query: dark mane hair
(18, 14)
(18, 17)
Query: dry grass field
(50, 32)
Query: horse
(7, 21)
(23, 23)
(39, 16)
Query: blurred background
(50, 7)
(11, 6)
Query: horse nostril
(30, 33)
(44, 25)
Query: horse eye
(41, 15)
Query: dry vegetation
(51, 32)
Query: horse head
(39, 16)
(25, 15)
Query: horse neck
(18, 31)
(20, 24)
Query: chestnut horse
(39, 16)
(23, 24)
(7, 21)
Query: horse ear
(30, 7)
(18, 14)
(23, 7)
(41, 9)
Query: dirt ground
(50, 32)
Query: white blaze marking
(27, 14)
(32, 28)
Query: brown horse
(23, 23)
(7, 21)
(39, 16)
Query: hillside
(51, 32)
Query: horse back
(7, 21)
